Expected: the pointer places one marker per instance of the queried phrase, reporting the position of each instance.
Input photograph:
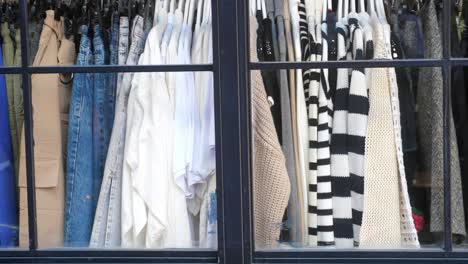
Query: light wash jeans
(107, 222)
(79, 200)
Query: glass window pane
(458, 29)
(359, 165)
(125, 165)
(124, 160)
(13, 205)
(459, 163)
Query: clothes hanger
(205, 12)
(353, 7)
(172, 6)
(371, 7)
(208, 13)
(264, 12)
(381, 11)
(362, 6)
(339, 10)
(199, 15)
(253, 7)
(191, 12)
(180, 4)
(185, 12)
(324, 10)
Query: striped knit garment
(324, 193)
(312, 111)
(313, 126)
(305, 44)
(357, 129)
(342, 214)
(305, 38)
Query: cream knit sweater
(271, 186)
(381, 213)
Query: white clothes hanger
(208, 13)
(346, 9)
(172, 6)
(180, 4)
(309, 4)
(191, 12)
(253, 7)
(381, 11)
(156, 10)
(199, 14)
(324, 10)
(185, 11)
(371, 7)
(353, 6)
(362, 6)
(340, 9)
(205, 12)
(318, 11)
(264, 12)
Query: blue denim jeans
(8, 204)
(114, 60)
(107, 225)
(80, 181)
(103, 108)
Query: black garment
(408, 28)
(265, 53)
(407, 115)
(332, 52)
(460, 109)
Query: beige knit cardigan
(271, 186)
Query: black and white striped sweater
(357, 127)
(341, 184)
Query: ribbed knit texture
(381, 213)
(324, 193)
(342, 216)
(271, 187)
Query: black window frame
(231, 69)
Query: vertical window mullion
(447, 8)
(28, 127)
(231, 132)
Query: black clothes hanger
(123, 8)
(149, 9)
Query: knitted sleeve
(271, 186)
